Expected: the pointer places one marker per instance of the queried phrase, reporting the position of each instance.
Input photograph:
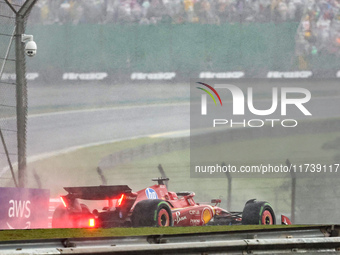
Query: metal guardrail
(315, 239)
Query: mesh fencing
(187, 50)
(163, 48)
(8, 127)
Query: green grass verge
(11, 235)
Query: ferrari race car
(152, 206)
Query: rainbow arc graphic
(204, 98)
(209, 93)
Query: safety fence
(8, 125)
(172, 52)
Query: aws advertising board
(24, 208)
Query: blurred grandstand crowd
(319, 29)
(177, 11)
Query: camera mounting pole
(21, 97)
(21, 16)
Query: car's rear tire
(258, 213)
(61, 218)
(85, 209)
(151, 213)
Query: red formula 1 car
(153, 206)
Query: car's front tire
(258, 213)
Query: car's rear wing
(98, 192)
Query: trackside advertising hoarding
(135, 77)
(24, 208)
(59, 77)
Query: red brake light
(120, 200)
(92, 223)
(63, 201)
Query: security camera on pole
(31, 46)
